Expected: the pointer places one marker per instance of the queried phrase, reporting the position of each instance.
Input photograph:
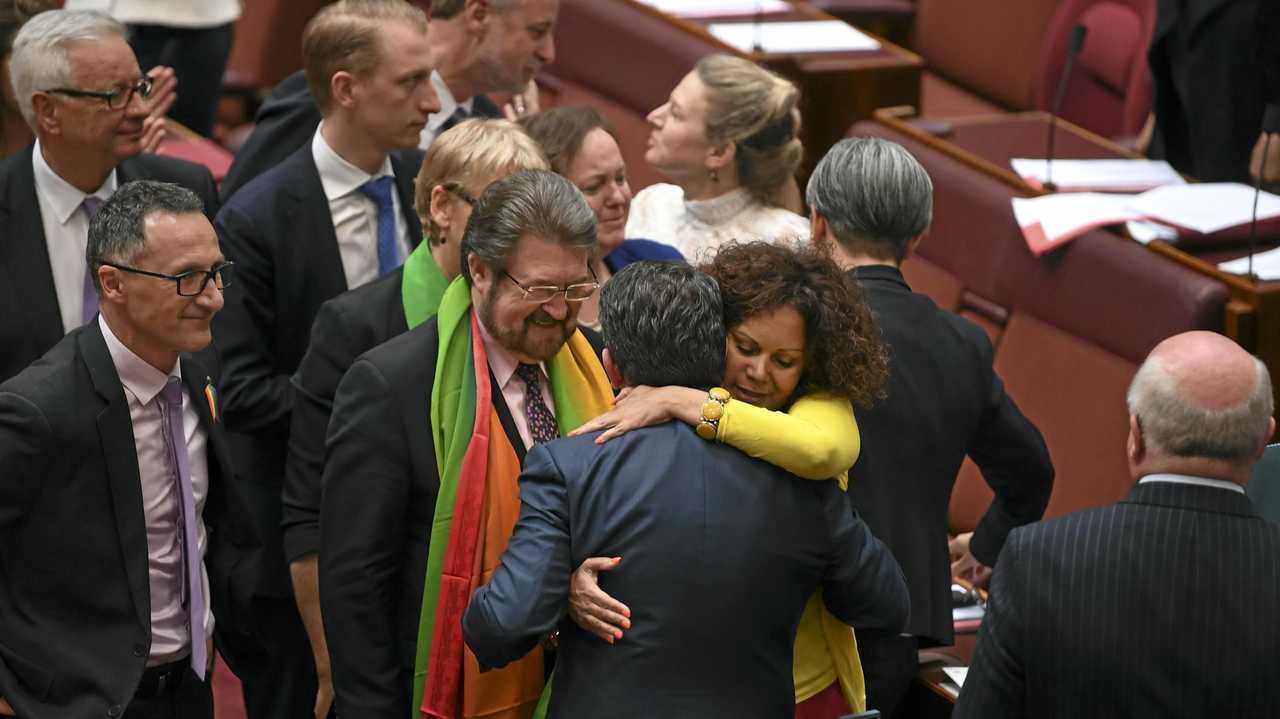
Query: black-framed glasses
(116, 99)
(545, 293)
(190, 283)
(457, 191)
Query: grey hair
(663, 325)
(39, 58)
(118, 232)
(1175, 425)
(446, 9)
(875, 196)
(530, 202)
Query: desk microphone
(1270, 126)
(757, 45)
(1077, 42)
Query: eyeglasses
(191, 283)
(546, 293)
(456, 190)
(116, 99)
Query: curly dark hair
(844, 355)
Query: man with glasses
(79, 88)
(425, 443)
(121, 526)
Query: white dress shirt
(1188, 479)
(66, 234)
(170, 13)
(355, 216)
(698, 227)
(503, 365)
(448, 105)
(170, 640)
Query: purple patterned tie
(192, 587)
(542, 424)
(89, 303)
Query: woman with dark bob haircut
(802, 349)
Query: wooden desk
(987, 142)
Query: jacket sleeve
(996, 684)
(25, 440)
(363, 519)
(816, 439)
(529, 592)
(864, 586)
(1014, 461)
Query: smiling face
(87, 124)
(533, 332)
(518, 43)
(393, 101)
(678, 144)
(764, 357)
(599, 171)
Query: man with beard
(426, 441)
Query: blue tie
(379, 190)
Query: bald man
(1165, 604)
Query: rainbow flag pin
(211, 396)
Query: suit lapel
(311, 222)
(404, 166)
(25, 254)
(120, 460)
(504, 418)
(203, 393)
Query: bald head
(1199, 396)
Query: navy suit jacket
(720, 552)
(30, 321)
(279, 232)
(75, 617)
(1163, 605)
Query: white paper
(1266, 265)
(957, 674)
(1205, 207)
(718, 8)
(1144, 231)
(793, 37)
(1099, 175)
(1063, 216)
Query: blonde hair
(344, 37)
(759, 112)
(471, 152)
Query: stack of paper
(718, 8)
(1052, 220)
(1205, 207)
(1098, 175)
(1266, 265)
(793, 37)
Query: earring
(714, 174)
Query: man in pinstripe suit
(1165, 604)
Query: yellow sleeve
(816, 439)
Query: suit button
(139, 650)
(115, 710)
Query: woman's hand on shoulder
(642, 406)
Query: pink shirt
(170, 639)
(503, 365)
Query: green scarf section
(422, 285)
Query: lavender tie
(193, 589)
(542, 424)
(89, 304)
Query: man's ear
(481, 273)
(342, 89)
(1137, 445)
(1271, 432)
(611, 370)
(476, 14)
(46, 114)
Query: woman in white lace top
(727, 139)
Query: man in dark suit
(86, 146)
(1161, 605)
(532, 231)
(121, 522)
(870, 202)
(335, 215)
(722, 551)
(477, 46)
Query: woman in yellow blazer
(802, 349)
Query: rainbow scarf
(477, 467)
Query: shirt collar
(720, 209)
(140, 378)
(64, 197)
(501, 361)
(339, 177)
(1187, 479)
(448, 104)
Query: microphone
(1077, 41)
(756, 30)
(1270, 126)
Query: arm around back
(817, 438)
(863, 586)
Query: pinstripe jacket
(1166, 604)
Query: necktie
(89, 302)
(458, 116)
(379, 190)
(542, 424)
(192, 588)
